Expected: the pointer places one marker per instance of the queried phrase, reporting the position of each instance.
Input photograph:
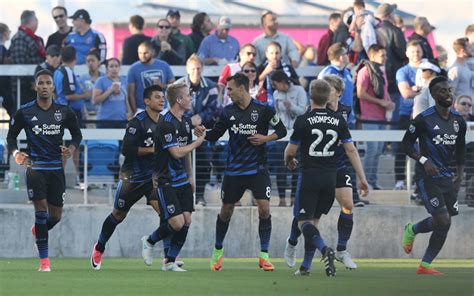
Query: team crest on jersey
(121, 203)
(58, 116)
(434, 202)
(456, 126)
(412, 128)
(132, 130)
(188, 128)
(170, 209)
(30, 193)
(254, 116)
(168, 137)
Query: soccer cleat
(408, 238)
(328, 259)
(264, 262)
(180, 263)
(290, 254)
(216, 259)
(96, 258)
(147, 251)
(425, 270)
(45, 265)
(346, 259)
(172, 266)
(302, 272)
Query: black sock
(41, 233)
(177, 242)
(108, 228)
(437, 239)
(424, 226)
(344, 229)
(265, 231)
(221, 231)
(162, 232)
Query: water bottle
(16, 181)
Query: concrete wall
(377, 232)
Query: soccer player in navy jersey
(44, 122)
(343, 189)
(173, 178)
(247, 122)
(318, 133)
(441, 133)
(136, 171)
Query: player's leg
(231, 191)
(41, 233)
(345, 221)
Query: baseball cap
(224, 23)
(53, 50)
(421, 21)
(385, 9)
(427, 65)
(173, 12)
(82, 14)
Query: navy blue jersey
(442, 141)
(139, 133)
(245, 158)
(342, 159)
(318, 133)
(44, 133)
(171, 132)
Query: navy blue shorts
(129, 193)
(343, 179)
(315, 194)
(233, 187)
(46, 184)
(438, 195)
(175, 200)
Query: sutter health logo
(47, 129)
(244, 129)
(445, 139)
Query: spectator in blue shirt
(144, 73)
(87, 80)
(110, 96)
(83, 38)
(339, 59)
(219, 48)
(67, 87)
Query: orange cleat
(216, 259)
(424, 270)
(45, 265)
(264, 262)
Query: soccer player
(137, 169)
(441, 134)
(343, 189)
(247, 122)
(173, 177)
(44, 121)
(318, 132)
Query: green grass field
(239, 277)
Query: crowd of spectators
(385, 74)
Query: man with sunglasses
(167, 48)
(247, 53)
(59, 14)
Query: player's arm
(354, 158)
(17, 124)
(180, 152)
(460, 154)
(189, 170)
(275, 122)
(292, 147)
(131, 140)
(417, 127)
(166, 133)
(72, 125)
(218, 130)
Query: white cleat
(180, 263)
(290, 254)
(346, 259)
(172, 266)
(147, 251)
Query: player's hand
(201, 138)
(199, 130)
(292, 164)
(193, 184)
(457, 183)
(257, 139)
(196, 120)
(430, 168)
(66, 152)
(21, 158)
(363, 188)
